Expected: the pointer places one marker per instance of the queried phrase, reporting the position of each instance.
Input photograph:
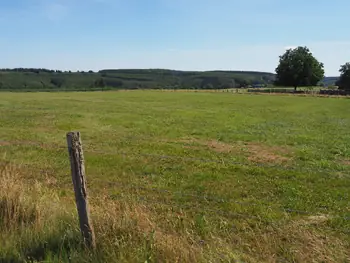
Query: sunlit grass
(178, 177)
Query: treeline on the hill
(45, 79)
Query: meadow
(177, 177)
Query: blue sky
(181, 34)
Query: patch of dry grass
(255, 152)
(137, 235)
(35, 224)
(303, 242)
(18, 206)
(267, 154)
(346, 162)
(294, 241)
(31, 217)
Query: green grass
(183, 176)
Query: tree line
(42, 79)
(40, 70)
(297, 68)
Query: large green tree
(298, 67)
(344, 80)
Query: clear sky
(174, 34)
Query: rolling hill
(44, 79)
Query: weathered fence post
(76, 156)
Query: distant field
(183, 176)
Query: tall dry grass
(32, 221)
(37, 226)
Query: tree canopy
(344, 80)
(298, 67)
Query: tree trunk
(295, 88)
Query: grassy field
(177, 177)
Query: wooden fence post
(76, 156)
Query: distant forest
(36, 79)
